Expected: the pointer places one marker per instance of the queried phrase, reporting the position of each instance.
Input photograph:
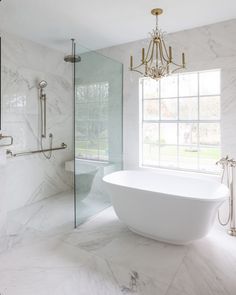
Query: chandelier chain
(156, 22)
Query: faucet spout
(223, 161)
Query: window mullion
(178, 121)
(198, 117)
(142, 101)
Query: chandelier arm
(177, 69)
(157, 55)
(168, 69)
(137, 71)
(161, 46)
(145, 69)
(164, 45)
(164, 68)
(134, 68)
(177, 65)
(151, 57)
(149, 47)
(161, 54)
(152, 53)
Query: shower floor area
(51, 215)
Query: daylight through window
(181, 121)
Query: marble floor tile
(38, 268)
(98, 232)
(101, 277)
(107, 237)
(54, 267)
(46, 218)
(50, 213)
(23, 237)
(42, 254)
(208, 268)
(195, 276)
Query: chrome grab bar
(62, 147)
(6, 136)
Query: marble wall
(208, 47)
(30, 178)
(24, 63)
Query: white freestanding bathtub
(165, 207)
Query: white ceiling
(102, 23)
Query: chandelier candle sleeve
(143, 55)
(131, 62)
(183, 60)
(170, 54)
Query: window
(91, 141)
(181, 121)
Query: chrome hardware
(228, 166)
(6, 136)
(43, 98)
(226, 161)
(43, 117)
(73, 57)
(62, 147)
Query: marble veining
(40, 252)
(32, 178)
(41, 248)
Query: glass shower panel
(98, 129)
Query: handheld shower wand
(43, 107)
(43, 84)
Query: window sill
(215, 176)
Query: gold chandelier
(157, 62)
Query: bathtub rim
(220, 199)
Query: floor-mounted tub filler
(165, 207)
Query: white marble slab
(24, 64)
(207, 266)
(55, 267)
(107, 237)
(102, 256)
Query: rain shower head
(72, 58)
(42, 84)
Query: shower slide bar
(62, 147)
